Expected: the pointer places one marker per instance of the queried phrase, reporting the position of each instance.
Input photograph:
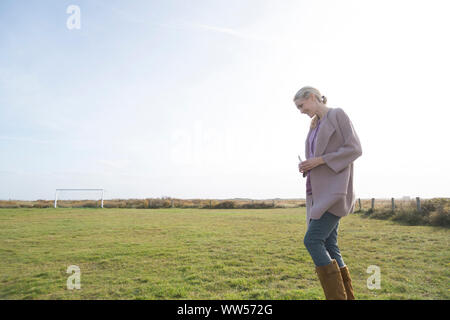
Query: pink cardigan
(332, 183)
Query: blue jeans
(321, 240)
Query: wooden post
(359, 200)
(172, 203)
(273, 203)
(373, 203)
(393, 205)
(418, 203)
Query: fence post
(418, 203)
(172, 202)
(393, 205)
(373, 203)
(359, 200)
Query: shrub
(412, 217)
(89, 204)
(257, 205)
(26, 205)
(41, 205)
(159, 203)
(428, 206)
(107, 204)
(140, 205)
(135, 204)
(440, 218)
(224, 205)
(129, 204)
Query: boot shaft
(347, 283)
(331, 280)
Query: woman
(330, 149)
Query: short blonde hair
(305, 93)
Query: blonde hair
(305, 93)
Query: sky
(193, 99)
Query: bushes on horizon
(90, 204)
(224, 205)
(435, 212)
(257, 205)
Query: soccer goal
(71, 194)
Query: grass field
(208, 254)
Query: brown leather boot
(347, 283)
(331, 280)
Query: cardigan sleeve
(349, 151)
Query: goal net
(79, 197)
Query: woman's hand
(310, 164)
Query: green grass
(208, 254)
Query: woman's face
(307, 106)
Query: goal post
(89, 190)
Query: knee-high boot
(347, 283)
(331, 280)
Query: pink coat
(332, 183)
